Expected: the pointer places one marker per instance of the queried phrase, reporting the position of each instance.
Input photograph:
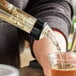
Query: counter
(28, 71)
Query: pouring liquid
(47, 32)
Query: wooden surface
(27, 71)
(25, 57)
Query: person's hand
(41, 50)
(43, 47)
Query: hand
(43, 47)
(41, 50)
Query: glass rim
(49, 55)
(13, 70)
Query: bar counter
(28, 71)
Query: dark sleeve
(57, 13)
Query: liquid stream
(47, 32)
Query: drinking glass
(62, 64)
(6, 70)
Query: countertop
(28, 71)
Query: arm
(45, 46)
(54, 12)
(58, 15)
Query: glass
(6, 70)
(63, 66)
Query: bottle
(20, 19)
(35, 28)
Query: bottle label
(16, 17)
(48, 32)
(45, 31)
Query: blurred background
(72, 36)
(74, 17)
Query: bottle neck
(37, 29)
